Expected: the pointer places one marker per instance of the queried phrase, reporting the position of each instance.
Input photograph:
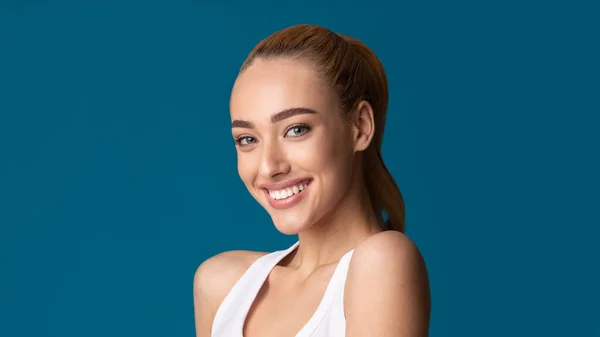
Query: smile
(287, 192)
(286, 195)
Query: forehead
(270, 86)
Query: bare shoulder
(213, 280)
(389, 254)
(387, 287)
(386, 247)
(215, 277)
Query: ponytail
(384, 194)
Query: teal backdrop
(118, 172)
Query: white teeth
(288, 192)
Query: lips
(288, 191)
(284, 184)
(286, 194)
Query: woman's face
(295, 155)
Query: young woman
(308, 112)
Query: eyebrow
(278, 117)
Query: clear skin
(387, 292)
(325, 150)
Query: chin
(291, 224)
(299, 212)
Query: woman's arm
(387, 289)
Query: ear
(363, 121)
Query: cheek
(246, 168)
(325, 154)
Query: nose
(274, 160)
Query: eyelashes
(244, 140)
(299, 129)
(295, 130)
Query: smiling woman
(308, 113)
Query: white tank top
(327, 321)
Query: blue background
(118, 173)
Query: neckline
(316, 318)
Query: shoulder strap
(344, 266)
(232, 312)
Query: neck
(340, 231)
